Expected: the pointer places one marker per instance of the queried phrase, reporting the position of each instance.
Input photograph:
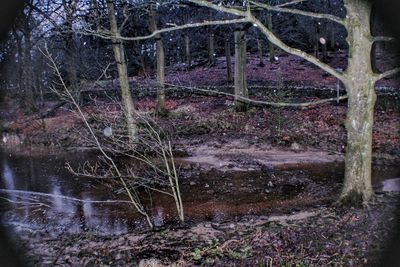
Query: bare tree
(111, 142)
(240, 69)
(119, 54)
(160, 108)
(359, 80)
(227, 42)
(70, 8)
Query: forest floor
(212, 136)
(317, 236)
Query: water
(37, 192)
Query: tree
(160, 108)
(240, 69)
(119, 54)
(70, 7)
(227, 45)
(358, 78)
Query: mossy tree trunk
(119, 54)
(360, 85)
(240, 70)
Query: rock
(150, 263)
(135, 238)
(295, 146)
(203, 232)
(192, 183)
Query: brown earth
(321, 236)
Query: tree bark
(228, 59)
(70, 49)
(260, 53)
(187, 52)
(316, 40)
(271, 45)
(119, 54)
(160, 108)
(28, 73)
(360, 83)
(240, 70)
(211, 49)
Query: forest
(199, 133)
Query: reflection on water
(8, 176)
(159, 217)
(41, 194)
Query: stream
(38, 193)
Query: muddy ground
(307, 230)
(317, 236)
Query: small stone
(295, 146)
(108, 131)
(192, 183)
(207, 186)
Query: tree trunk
(260, 53)
(359, 82)
(28, 74)
(160, 108)
(187, 52)
(70, 49)
(240, 70)
(211, 50)
(19, 56)
(316, 40)
(271, 45)
(228, 59)
(72, 72)
(119, 55)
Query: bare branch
(106, 35)
(229, 10)
(290, 3)
(273, 38)
(384, 39)
(261, 102)
(299, 12)
(22, 192)
(387, 73)
(131, 194)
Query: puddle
(37, 192)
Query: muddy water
(37, 192)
